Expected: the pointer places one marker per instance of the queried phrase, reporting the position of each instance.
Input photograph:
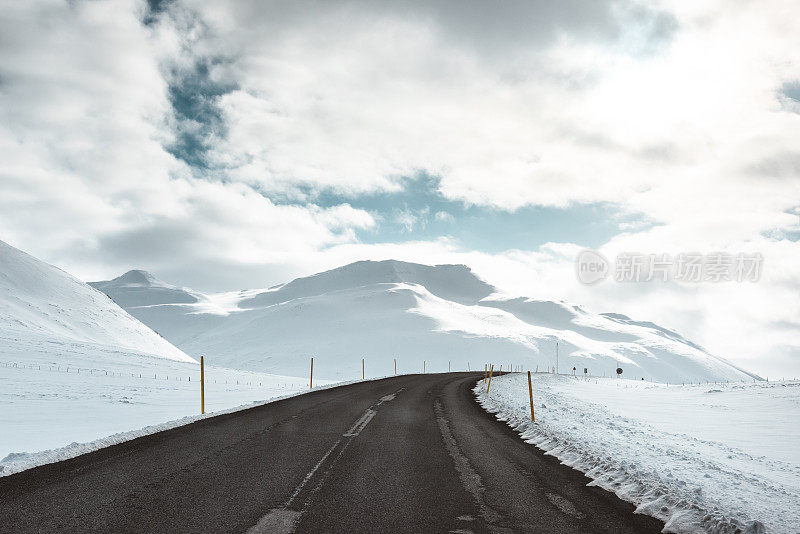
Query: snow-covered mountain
(75, 367)
(415, 313)
(47, 311)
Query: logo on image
(592, 267)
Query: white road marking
(387, 398)
(277, 521)
(360, 424)
(311, 474)
(282, 520)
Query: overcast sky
(233, 144)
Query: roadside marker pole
(362, 369)
(448, 366)
(423, 367)
(395, 367)
(311, 381)
(530, 393)
(202, 386)
(490, 379)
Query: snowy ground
(48, 404)
(704, 458)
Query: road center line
(360, 424)
(311, 474)
(283, 520)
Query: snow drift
(441, 315)
(704, 458)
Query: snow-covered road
(704, 458)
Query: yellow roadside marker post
(491, 369)
(423, 367)
(362, 369)
(395, 367)
(311, 381)
(530, 394)
(202, 386)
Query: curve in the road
(412, 453)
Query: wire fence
(175, 377)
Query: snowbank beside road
(704, 458)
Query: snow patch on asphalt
(702, 458)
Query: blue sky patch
(420, 212)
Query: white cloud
(685, 122)
(686, 135)
(406, 219)
(86, 180)
(444, 216)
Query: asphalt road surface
(412, 453)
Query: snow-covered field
(704, 458)
(77, 372)
(82, 397)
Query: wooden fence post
(530, 394)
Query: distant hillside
(392, 309)
(44, 307)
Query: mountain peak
(452, 282)
(48, 307)
(141, 288)
(138, 277)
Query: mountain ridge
(442, 313)
(46, 306)
(367, 272)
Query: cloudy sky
(232, 144)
